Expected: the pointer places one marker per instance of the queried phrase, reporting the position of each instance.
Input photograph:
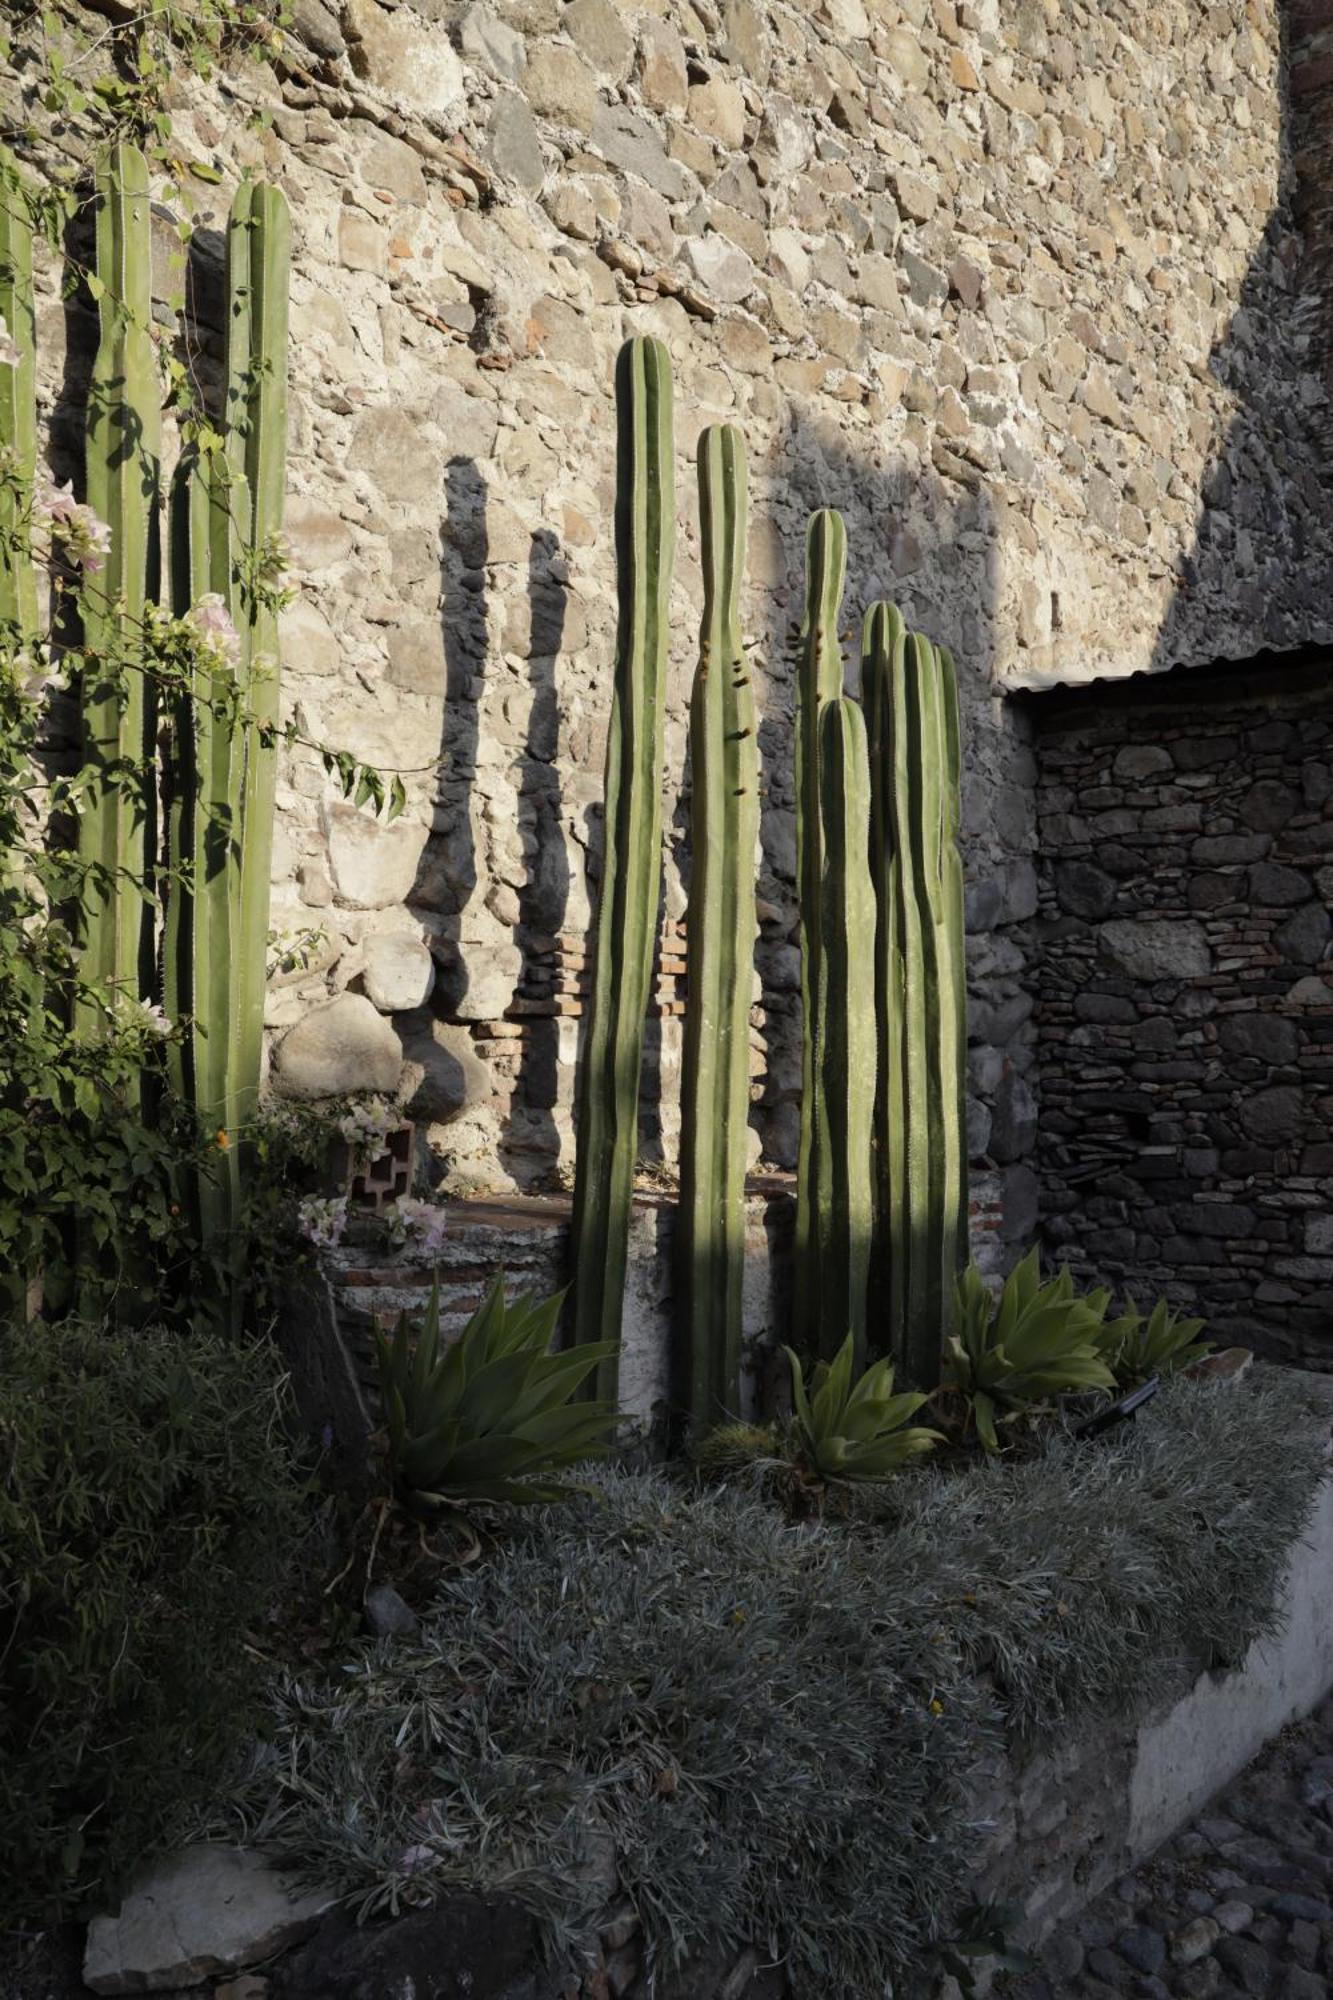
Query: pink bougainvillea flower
(212, 621)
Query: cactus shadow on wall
(530, 1140)
(925, 542)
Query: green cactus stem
(920, 983)
(845, 1039)
(819, 681)
(123, 452)
(202, 926)
(721, 928)
(259, 268)
(18, 412)
(608, 1119)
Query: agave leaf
(491, 1392)
(798, 1395)
(873, 1387)
(886, 1455)
(485, 1327)
(574, 1429)
(428, 1341)
(983, 1411)
(831, 1398)
(554, 1378)
(1021, 1287)
(532, 1322)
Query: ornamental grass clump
(763, 1732)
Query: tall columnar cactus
(258, 274)
(845, 1033)
(920, 984)
(608, 1115)
(722, 922)
(123, 451)
(202, 931)
(226, 509)
(18, 411)
(819, 680)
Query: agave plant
(1040, 1340)
(488, 1417)
(855, 1430)
(1159, 1343)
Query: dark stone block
(466, 1947)
(1218, 849)
(1237, 1161)
(1269, 805)
(1108, 1009)
(1226, 1220)
(1205, 753)
(1210, 892)
(1317, 1159)
(1273, 884)
(1084, 891)
(1270, 1038)
(1276, 1114)
(1302, 939)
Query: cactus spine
(819, 680)
(920, 983)
(722, 922)
(18, 411)
(627, 917)
(259, 267)
(845, 1031)
(123, 452)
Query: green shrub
(1162, 1342)
(490, 1416)
(841, 1432)
(1038, 1341)
(767, 1729)
(148, 1504)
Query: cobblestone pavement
(1237, 1907)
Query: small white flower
(10, 352)
(322, 1220)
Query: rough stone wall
(1185, 1017)
(1010, 284)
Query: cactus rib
(722, 923)
(819, 681)
(116, 835)
(911, 694)
(631, 867)
(846, 1034)
(18, 411)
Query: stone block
(373, 861)
(399, 971)
(405, 57)
(1156, 948)
(341, 1047)
(206, 1911)
(559, 85)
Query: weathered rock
(1084, 890)
(1014, 1119)
(341, 1047)
(374, 861)
(1270, 1038)
(317, 27)
(1303, 939)
(203, 1912)
(465, 1947)
(1276, 1115)
(721, 266)
(389, 1615)
(1148, 948)
(403, 56)
(399, 971)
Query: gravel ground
(1237, 1907)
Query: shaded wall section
(1184, 1015)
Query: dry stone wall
(1185, 1020)
(1011, 284)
